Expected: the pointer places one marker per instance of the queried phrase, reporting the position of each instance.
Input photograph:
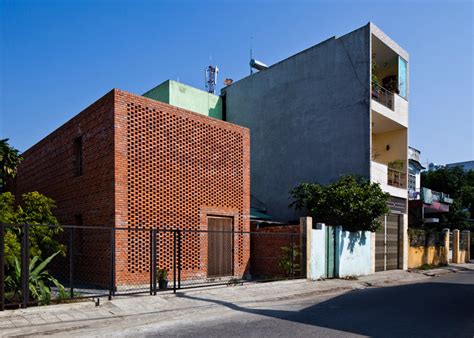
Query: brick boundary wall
(266, 250)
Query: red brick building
(132, 162)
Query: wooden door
(220, 247)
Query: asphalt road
(442, 307)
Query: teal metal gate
(330, 252)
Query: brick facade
(146, 165)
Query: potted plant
(162, 275)
(375, 80)
(396, 165)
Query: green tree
(35, 209)
(10, 158)
(351, 201)
(459, 184)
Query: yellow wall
(397, 140)
(417, 256)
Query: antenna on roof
(255, 64)
(251, 54)
(210, 78)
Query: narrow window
(78, 156)
(402, 77)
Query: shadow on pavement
(441, 308)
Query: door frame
(204, 214)
(232, 255)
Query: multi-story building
(132, 162)
(414, 172)
(466, 165)
(425, 206)
(339, 107)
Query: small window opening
(78, 160)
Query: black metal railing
(110, 261)
(383, 96)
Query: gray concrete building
(339, 107)
(466, 165)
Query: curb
(354, 285)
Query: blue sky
(57, 57)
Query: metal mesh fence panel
(75, 262)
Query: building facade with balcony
(425, 206)
(339, 107)
(414, 173)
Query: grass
(430, 266)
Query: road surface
(441, 307)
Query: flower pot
(162, 284)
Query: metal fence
(90, 261)
(383, 96)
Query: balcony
(392, 181)
(429, 196)
(389, 77)
(383, 96)
(396, 178)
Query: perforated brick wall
(145, 164)
(180, 167)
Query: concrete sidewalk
(167, 307)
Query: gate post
(315, 249)
(154, 265)
(71, 262)
(174, 260)
(151, 262)
(112, 263)
(456, 246)
(445, 244)
(306, 223)
(179, 258)
(467, 242)
(302, 250)
(468, 246)
(25, 255)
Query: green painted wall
(160, 93)
(187, 97)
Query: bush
(351, 201)
(39, 282)
(35, 209)
(288, 263)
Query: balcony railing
(382, 95)
(396, 178)
(429, 196)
